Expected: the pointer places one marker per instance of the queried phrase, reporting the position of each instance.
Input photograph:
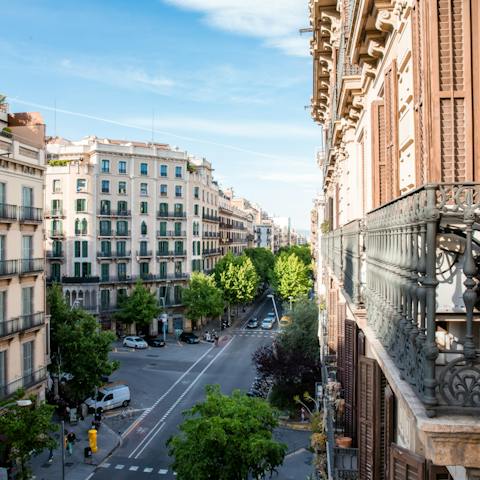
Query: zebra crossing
(254, 333)
(136, 468)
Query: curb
(109, 452)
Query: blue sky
(223, 79)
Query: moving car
(188, 337)
(267, 323)
(252, 323)
(156, 342)
(135, 342)
(110, 396)
(271, 315)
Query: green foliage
(237, 278)
(227, 438)
(202, 298)
(303, 252)
(263, 261)
(27, 430)
(78, 346)
(58, 163)
(140, 307)
(293, 361)
(291, 277)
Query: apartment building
(397, 90)
(118, 211)
(203, 198)
(235, 225)
(24, 343)
(282, 232)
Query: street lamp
(18, 403)
(291, 300)
(164, 319)
(275, 307)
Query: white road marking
(148, 410)
(148, 470)
(133, 468)
(119, 467)
(163, 471)
(105, 465)
(153, 433)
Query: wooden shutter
(332, 320)
(360, 343)
(341, 314)
(437, 473)
(405, 465)
(388, 427)
(349, 378)
(379, 154)
(392, 183)
(368, 419)
(451, 94)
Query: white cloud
(275, 21)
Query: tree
(227, 438)
(78, 347)
(291, 277)
(202, 298)
(140, 307)
(263, 261)
(238, 280)
(27, 430)
(293, 360)
(303, 252)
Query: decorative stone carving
(375, 49)
(399, 7)
(386, 21)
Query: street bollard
(92, 439)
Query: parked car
(285, 321)
(156, 342)
(271, 315)
(252, 323)
(135, 342)
(110, 396)
(188, 337)
(267, 323)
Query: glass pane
(27, 358)
(27, 197)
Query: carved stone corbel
(399, 7)
(386, 21)
(375, 49)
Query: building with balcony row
(118, 211)
(396, 87)
(24, 347)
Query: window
(86, 269)
(144, 189)
(121, 248)
(143, 228)
(56, 228)
(179, 246)
(84, 248)
(122, 188)
(55, 272)
(80, 205)
(105, 166)
(143, 169)
(56, 186)
(27, 247)
(105, 207)
(105, 301)
(144, 269)
(105, 272)
(56, 248)
(178, 210)
(163, 170)
(163, 229)
(122, 167)
(196, 192)
(163, 247)
(178, 172)
(163, 269)
(178, 190)
(106, 248)
(178, 268)
(27, 197)
(105, 186)
(76, 266)
(3, 309)
(163, 190)
(27, 353)
(3, 368)
(122, 207)
(144, 207)
(198, 248)
(193, 248)
(27, 300)
(195, 209)
(177, 294)
(122, 227)
(56, 207)
(178, 229)
(105, 227)
(81, 185)
(83, 227)
(163, 210)
(77, 248)
(122, 273)
(122, 292)
(143, 247)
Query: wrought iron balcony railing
(27, 381)
(31, 214)
(418, 251)
(8, 212)
(165, 214)
(8, 268)
(22, 323)
(212, 218)
(31, 265)
(114, 213)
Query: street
(166, 381)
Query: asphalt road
(170, 380)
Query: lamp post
(291, 300)
(275, 307)
(164, 319)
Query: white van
(110, 396)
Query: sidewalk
(75, 466)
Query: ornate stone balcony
(413, 264)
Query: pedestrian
(302, 415)
(50, 455)
(216, 340)
(71, 437)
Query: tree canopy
(140, 307)
(303, 252)
(227, 438)
(78, 346)
(202, 298)
(291, 277)
(27, 430)
(263, 261)
(292, 361)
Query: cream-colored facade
(119, 211)
(396, 87)
(24, 354)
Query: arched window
(77, 227)
(143, 228)
(84, 226)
